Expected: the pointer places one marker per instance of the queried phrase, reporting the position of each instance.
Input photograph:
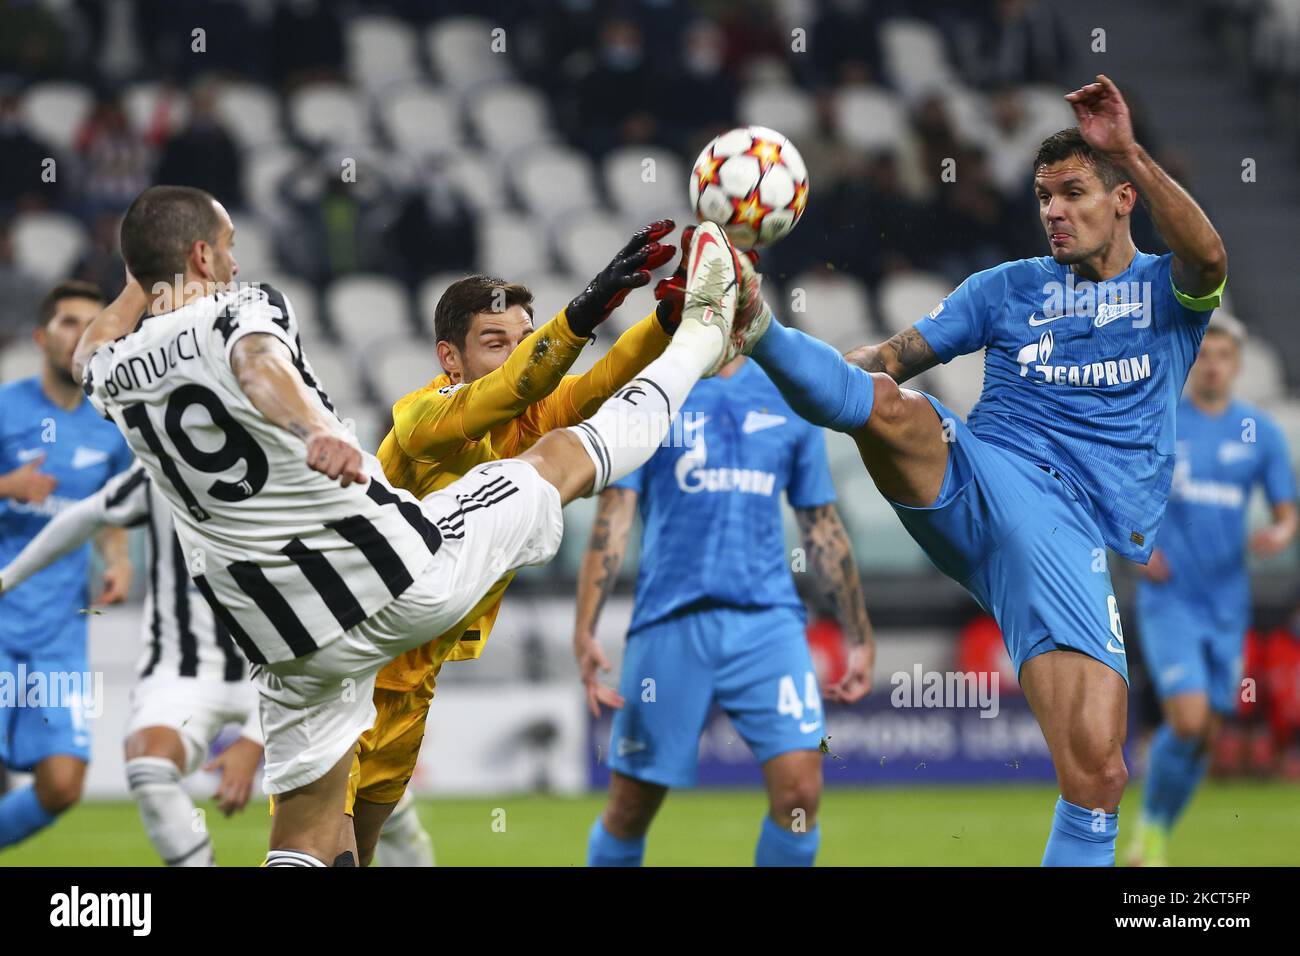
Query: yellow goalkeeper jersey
(442, 430)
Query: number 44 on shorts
(788, 702)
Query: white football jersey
(287, 558)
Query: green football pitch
(1228, 824)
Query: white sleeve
(259, 310)
(67, 532)
(92, 377)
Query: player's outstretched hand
(117, 583)
(237, 764)
(335, 457)
(628, 270)
(856, 682)
(591, 663)
(27, 484)
(1103, 116)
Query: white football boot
(712, 283)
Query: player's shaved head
(161, 227)
(1070, 144)
(467, 297)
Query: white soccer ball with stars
(753, 183)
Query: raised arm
(267, 375)
(830, 557)
(1200, 261)
(113, 321)
(600, 566)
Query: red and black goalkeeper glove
(629, 270)
(671, 292)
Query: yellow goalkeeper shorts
(386, 754)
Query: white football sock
(403, 841)
(292, 858)
(625, 431)
(168, 812)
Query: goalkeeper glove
(629, 270)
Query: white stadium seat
(1046, 110)
(251, 114)
(421, 120)
(1262, 377)
(552, 291)
(478, 174)
(402, 367)
(20, 359)
(511, 245)
(554, 180)
(915, 58)
(55, 111)
(254, 247)
(430, 291)
(301, 296)
(47, 244)
(587, 243)
(264, 171)
(329, 114)
(144, 102)
(365, 309)
(381, 51)
(461, 50)
(907, 297)
(337, 372)
(831, 306)
(370, 423)
(778, 106)
(960, 382)
(509, 116)
(645, 181)
(869, 119)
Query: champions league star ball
(752, 182)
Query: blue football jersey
(1220, 461)
(710, 499)
(1083, 377)
(82, 451)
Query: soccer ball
(752, 182)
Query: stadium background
(528, 143)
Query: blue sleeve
(810, 483)
(960, 324)
(632, 482)
(1278, 476)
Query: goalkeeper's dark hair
(467, 297)
(1069, 143)
(161, 227)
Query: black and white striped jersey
(181, 636)
(287, 558)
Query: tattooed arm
(904, 356)
(830, 556)
(600, 564)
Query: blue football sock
(814, 378)
(778, 846)
(1176, 768)
(605, 849)
(21, 815)
(1081, 837)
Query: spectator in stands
(699, 99)
(20, 293)
(845, 44)
(204, 155)
(101, 263)
(335, 227)
(1011, 42)
(32, 43)
(611, 98)
(306, 43)
(116, 162)
(971, 219)
(433, 232)
(22, 158)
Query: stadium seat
(301, 295)
(55, 111)
(509, 116)
(588, 242)
(554, 180)
(264, 170)
(1262, 377)
(427, 296)
(338, 373)
(778, 106)
(880, 542)
(402, 367)
(551, 293)
(460, 49)
(960, 382)
(251, 114)
(147, 103)
(632, 193)
(20, 359)
(328, 114)
(915, 58)
(907, 297)
(47, 244)
(366, 309)
(478, 175)
(511, 245)
(869, 119)
(381, 51)
(969, 112)
(370, 423)
(254, 247)
(833, 307)
(1047, 111)
(421, 120)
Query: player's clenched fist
(628, 270)
(335, 457)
